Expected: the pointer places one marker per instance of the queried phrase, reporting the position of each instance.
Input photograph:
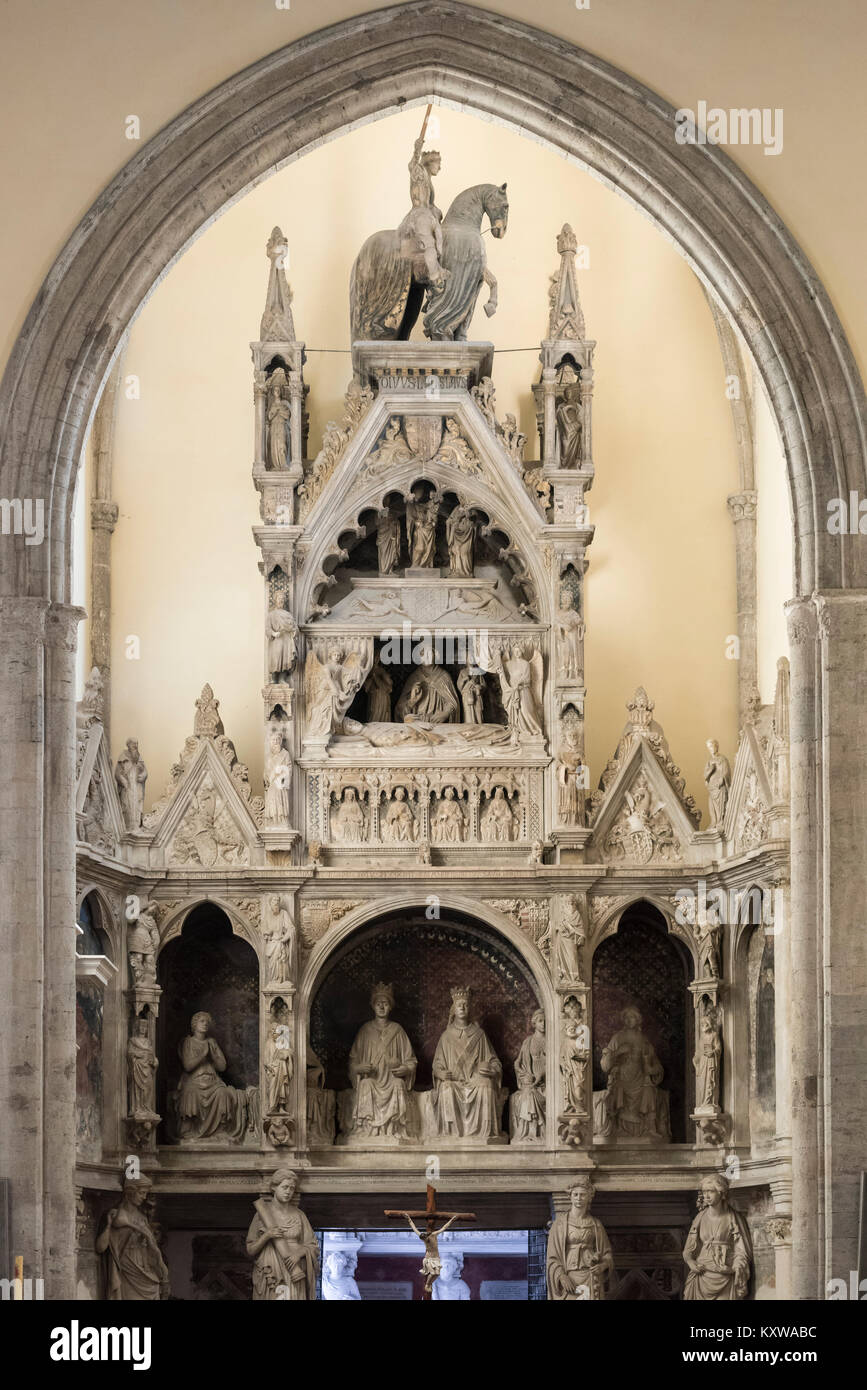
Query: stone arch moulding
(610, 923)
(173, 927)
(108, 915)
(374, 64)
(373, 911)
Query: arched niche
(207, 968)
(423, 959)
(95, 1022)
(642, 964)
(756, 989)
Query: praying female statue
(382, 1071)
(135, 1270)
(718, 1249)
(206, 1105)
(580, 1263)
(467, 1073)
(282, 1244)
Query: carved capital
(742, 506)
(103, 514)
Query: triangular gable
(207, 823)
(641, 819)
(98, 816)
(750, 799)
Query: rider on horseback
(420, 233)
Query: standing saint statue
(278, 780)
(279, 935)
(466, 1097)
(130, 775)
(717, 776)
(282, 1244)
(570, 428)
(281, 631)
(570, 939)
(460, 535)
(570, 640)
(142, 943)
(471, 686)
(378, 687)
(580, 1263)
(388, 538)
(708, 1055)
(135, 1270)
(573, 1065)
(382, 1071)
(278, 420)
(279, 1066)
(420, 233)
(421, 528)
(718, 1249)
(141, 1066)
(527, 1105)
(632, 1105)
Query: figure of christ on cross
(431, 1264)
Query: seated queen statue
(382, 1071)
(467, 1098)
(206, 1106)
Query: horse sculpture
(386, 289)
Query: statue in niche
(378, 687)
(130, 775)
(718, 1250)
(330, 687)
(466, 1099)
(570, 427)
(707, 1059)
(570, 939)
(632, 1105)
(717, 776)
(134, 1267)
(279, 1068)
(348, 822)
(498, 821)
(573, 1063)
(449, 824)
(399, 825)
(471, 686)
(580, 1264)
(282, 1244)
(520, 675)
(570, 640)
(338, 1278)
(142, 942)
(460, 537)
(449, 1287)
(388, 539)
(709, 938)
(278, 420)
(141, 1067)
(429, 695)
(206, 1105)
(421, 527)
(382, 1071)
(513, 440)
(278, 780)
(281, 631)
(527, 1105)
(570, 791)
(320, 1104)
(278, 931)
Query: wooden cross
(431, 1264)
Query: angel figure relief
(330, 687)
(520, 670)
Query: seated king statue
(467, 1098)
(382, 1071)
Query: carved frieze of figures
(142, 943)
(348, 818)
(467, 1097)
(278, 932)
(208, 835)
(717, 776)
(282, 1244)
(571, 935)
(398, 823)
(633, 1105)
(580, 1262)
(130, 775)
(281, 632)
(449, 821)
(357, 401)
(498, 820)
(527, 1104)
(206, 1106)
(278, 779)
(718, 1250)
(707, 1060)
(134, 1266)
(642, 831)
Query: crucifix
(431, 1264)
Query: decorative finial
(277, 323)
